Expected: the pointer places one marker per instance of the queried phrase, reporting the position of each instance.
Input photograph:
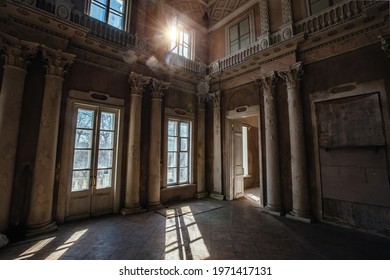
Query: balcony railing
(98, 29)
(173, 59)
(333, 15)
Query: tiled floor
(238, 230)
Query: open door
(238, 169)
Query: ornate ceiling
(206, 12)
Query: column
(16, 55)
(274, 190)
(264, 38)
(287, 16)
(215, 98)
(39, 219)
(203, 89)
(138, 83)
(158, 88)
(300, 188)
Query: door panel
(238, 160)
(94, 157)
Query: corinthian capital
(268, 82)
(385, 43)
(17, 52)
(57, 62)
(158, 88)
(292, 75)
(215, 98)
(202, 98)
(138, 83)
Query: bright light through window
(181, 39)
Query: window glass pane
(106, 140)
(183, 159)
(244, 26)
(183, 144)
(172, 156)
(234, 47)
(318, 5)
(115, 20)
(186, 38)
(103, 2)
(172, 128)
(98, 12)
(107, 121)
(233, 33)
(245, 41)
(85, 118)
(183, 175)
(172, 175)
(82, 159)
(83, 138)
(172, 143)
(117, 5)
(184, 129)
(80, 180)
(105, 159)
(104, 179)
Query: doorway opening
(243, 154)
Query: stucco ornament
(3, 240)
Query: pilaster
(287, 30)
(138, 84)
(215, 100)
(39, 219)
(16, 55)
(264, 39)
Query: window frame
(330, 4)
(250, 17)
(125, 13)
(181, 27)
(180, 116)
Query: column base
(3, 240)
(154, 206)
(273, 212)
(201, 195)
(294, 216)
(34, 230)
(132, 210)
(217, 196)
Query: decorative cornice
(158, 88)
(138, 83)
(57, 62)
(16, 52)
(292, 75)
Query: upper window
(181, 39)
(109, 11)
(179, 152)
(239, 35)
(319, 5)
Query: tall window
(319, 5)
(181, 39)
(179, 152)
(109, 11)
(239, 35)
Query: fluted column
(158, 88)
(264, 38)
(138, 83)
(203, 89)
(300, 188)
(16, 55)
(39, 219)
(215, 99)
(274, 191)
